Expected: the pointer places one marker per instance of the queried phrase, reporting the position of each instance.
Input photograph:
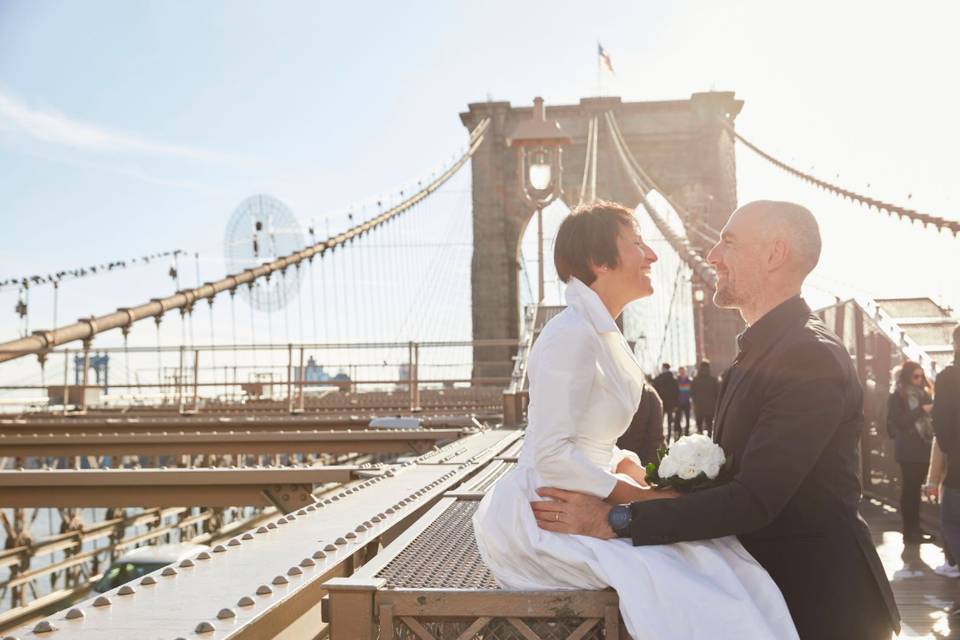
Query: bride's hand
(634, 471)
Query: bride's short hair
(587, 238)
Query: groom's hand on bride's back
(580, 513)
(572, 512)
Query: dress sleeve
(562, 370)
(619, 454)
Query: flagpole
(599, 71)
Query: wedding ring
(556, 516)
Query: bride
(585, 385)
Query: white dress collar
(588, 303)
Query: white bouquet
(691, 463)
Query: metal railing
(191, 378)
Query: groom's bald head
(790, 223)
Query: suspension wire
(334, 280)
(430, 285)
(56, 296)
(253, 333)
(285, 302)
(159, 359)
(80, 272)
(269, 313)
(644, 184)
(44, 341)
(299, 291)
(453, 285)
(213, 352)
(313, 302)
(366, 311)
(939, 222)
(587, 162)
(233, 323)
(666, 325)
(325, 290)
(594, 160)
(439, 292)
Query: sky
(129, 128)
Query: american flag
(604, 57)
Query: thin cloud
(59, 129)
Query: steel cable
(891, 209)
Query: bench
(431, 584)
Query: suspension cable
(644, 184)
(666, 325)
(41, 341)
(588, 184)
(891, 209)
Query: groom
(790, 413)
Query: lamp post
(699, 295)
(538, 143)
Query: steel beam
(252, 420)
(413, 441)
(270, 583)
(158, 487)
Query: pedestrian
(644, 436)
(909, 423)
(934, 488)
(946, 424)
(704, 391)
(666, 387)
(683, 400)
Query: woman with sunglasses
(909, 424)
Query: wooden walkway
(924, 597)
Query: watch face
(620, 517)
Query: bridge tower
(681, 144)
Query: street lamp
(699, 296)
(538, 143)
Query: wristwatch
(619, 518)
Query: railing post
(351, 609)
(289, 378)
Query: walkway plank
(924, 598)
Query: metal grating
(444, 556)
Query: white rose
(712, 469)
(691, 455)
(668, 467)
(689, 472)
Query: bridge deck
(924, 597)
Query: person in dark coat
(791, 415)
(705, 390)
(946, 424)
(644, 436)
(910, 424)
(669, 392)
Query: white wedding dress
(585, 386)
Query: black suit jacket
(791, 414)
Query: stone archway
(680, 143)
